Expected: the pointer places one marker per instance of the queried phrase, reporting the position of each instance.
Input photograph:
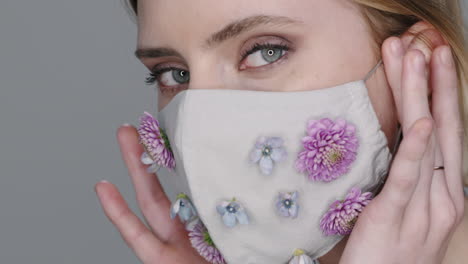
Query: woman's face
(266, 45)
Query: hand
(168, 241)
(413, 218)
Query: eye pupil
(271, 54)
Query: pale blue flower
(232, 213)
(286, 204)
(184, 208)
(267, 152)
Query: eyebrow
(230, 31)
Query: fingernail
(397, 48)
(446, 56)
(103, 181)
(419, 63)
(126, 125)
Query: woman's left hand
(413, 219)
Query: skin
(418, 211)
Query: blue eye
(168, 77)
(263, 54)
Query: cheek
(162, 101)
(382, 101)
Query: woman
(419, 215)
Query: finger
(405, 171)
(416, 106)
(442, 212)
(392, 54)
(151, 198)
(416, 221)
(446, 112)
(135, 234)
(414, 90)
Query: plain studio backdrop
(68, 79)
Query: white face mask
(317, 145)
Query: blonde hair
(394, 17)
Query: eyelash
(257, 46)
(153, 76)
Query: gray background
(68, 79)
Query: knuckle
(121, 215)
(136, 235)
(447, 218)
(403, 182)
(145, 205)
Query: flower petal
(153, 168)
(229, 219)
(266, 165)
(242, 217)
(255, 155)
(185, 214)
(301, 258)
(176, 206)
(293, 211)
(189, 226)
(278, 154)
(221, 209)
(145, 158)
(275, 142)
(294, 195)
(173, 213)
(192, 209)
(283, 211)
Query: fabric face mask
(275, 177)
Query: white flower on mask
(301, 258)
(286, 204)
(184, 208)
(267, 152)
(232, 213)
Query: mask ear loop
(376, 67)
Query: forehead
(188, 22)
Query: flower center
(207, 238)
(350, 224)
(298, 252)
(231, 209)
(266, 151)
(334, 156)
(287, 203)
(165, 139)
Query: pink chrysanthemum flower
(202, 242)
(342, 215)
(329, 149)
(158, 150)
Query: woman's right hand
(166, 240)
